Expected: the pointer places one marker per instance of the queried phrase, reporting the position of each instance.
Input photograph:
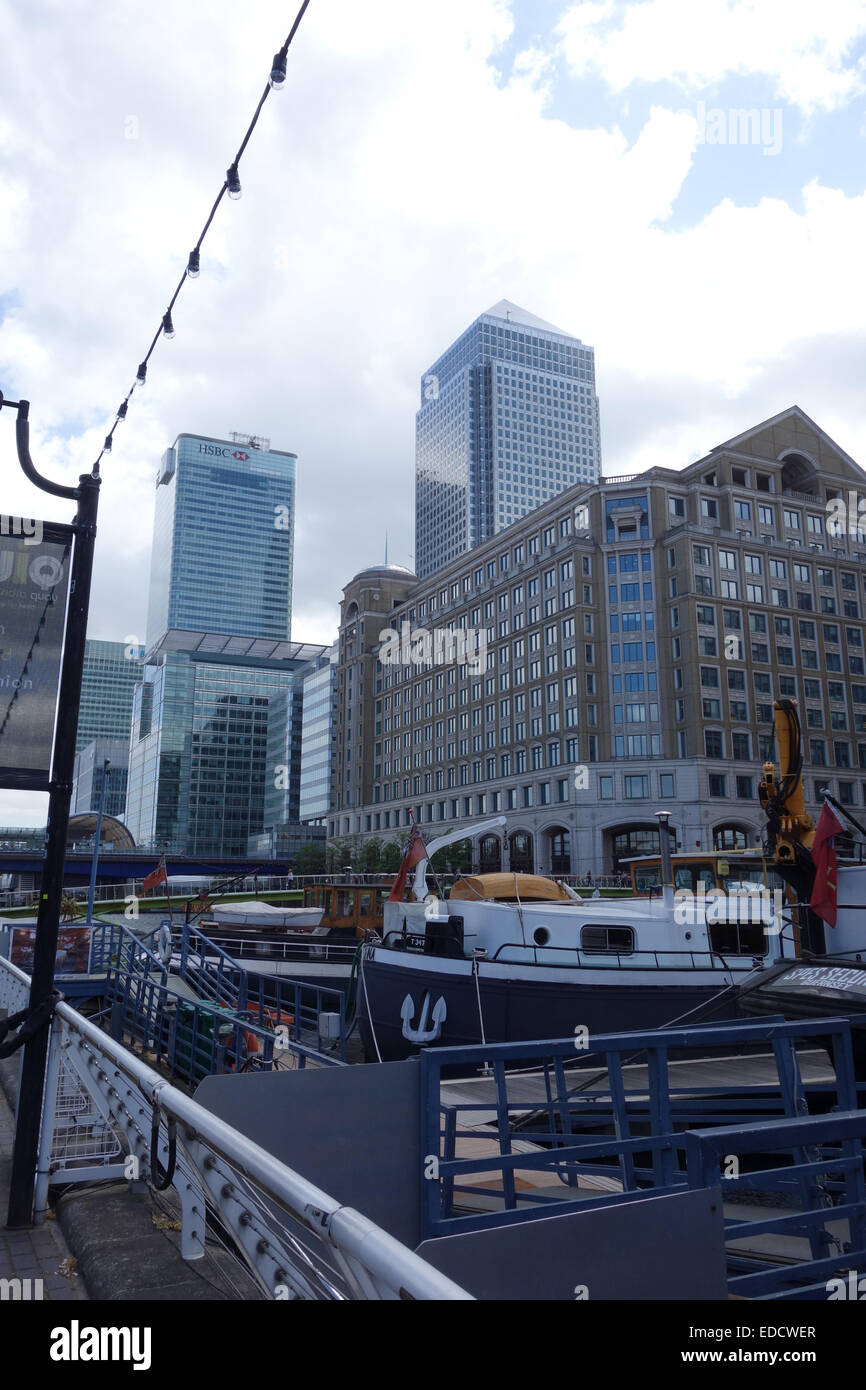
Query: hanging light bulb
(278, 71)
(106, 448)
(141, 374)
(167, 325)
(233, 182)
(193, 267)
(122, 409)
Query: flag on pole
(415, 851)
(158, 875)
(823, 900)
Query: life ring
(163, 943)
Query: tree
(453, 859)
(391, 856)
(370, 856)
(310, 858)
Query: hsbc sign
(214, 450)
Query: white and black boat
(516, 957)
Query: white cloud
(804, 49)
(404, 180)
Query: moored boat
(518, 957)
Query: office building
(317, 739)
(635, 634)
(111, 672)
(212, 740)
(88, 776)
(508, 419)
(223, 539)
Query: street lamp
(33, 1066)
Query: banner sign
(35, 560)
(73, 949)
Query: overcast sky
(422, 162)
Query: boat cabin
(730, 871)
(357, 907)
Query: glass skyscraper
(215, 745)
(223, 539)
(111, 670)
(508, 419)
(317, 737)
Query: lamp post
(92, 892)
(33, 1066)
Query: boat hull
(516, 1007)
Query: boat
(266, 916)
(518, 957)
(316, 943)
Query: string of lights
(232, 187)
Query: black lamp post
(86, 494)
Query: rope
(369, 1014)
(28, 1022)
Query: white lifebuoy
(163, 943)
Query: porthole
(541, 936)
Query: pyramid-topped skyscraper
(508, 418)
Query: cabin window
(607, 940)
(345, 904)
(366, 899)
(744, 937)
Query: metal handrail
(597, 957)
(373, 1263)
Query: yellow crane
(790, 830)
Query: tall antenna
(386, 547)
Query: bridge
(122, 865)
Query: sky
(584, 160)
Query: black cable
(277, 67)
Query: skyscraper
(215, 743)
(508, 419)
(318, 737)
(111, 671)
(223, 539)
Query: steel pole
(91, 894)
(27, 1125)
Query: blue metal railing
(194, 1038)
(211, 971)
(300, 1010)
(234, 1022)
(115, 946)
(596, 1121)
(825, 1173)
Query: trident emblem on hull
(423, 1034)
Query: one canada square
(508, 419)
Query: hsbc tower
(223, 539)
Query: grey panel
(353, 1131)
(669, 1247)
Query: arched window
(730, 837)
(490, 854)
(560, 852)
(520, 853)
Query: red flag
(159, 875)
(823, 900)
(415, 851)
